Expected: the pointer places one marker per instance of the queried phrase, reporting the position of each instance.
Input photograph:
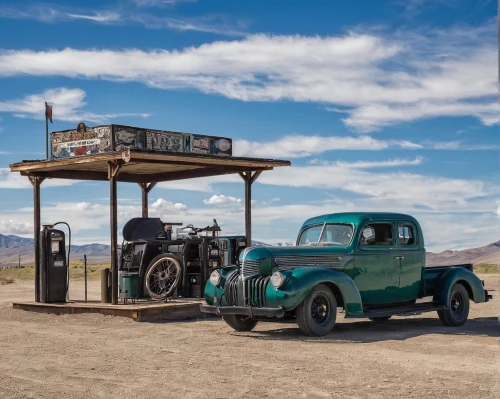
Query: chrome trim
(310, 260)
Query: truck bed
(433, 273)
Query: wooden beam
(82, 175)
(255, 176)
(36, 181)
(113, 222)
(151, 186)
(148, 157)
(248, 208)
(191, 174)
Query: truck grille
(249, 268)
(255, 289)
(299, 261)
(231, 288)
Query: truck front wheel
(458, 310)
(239, 323)
(316, 315)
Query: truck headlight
(277, 279)
(215, 277)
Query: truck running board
(409, 310)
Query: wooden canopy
(145, 168)
(138, 166)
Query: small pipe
(85, 274)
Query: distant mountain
(487, 254)
(14, 241)
(12, 246)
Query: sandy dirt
(94, 356)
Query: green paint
(390, 272)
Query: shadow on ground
(391, 330)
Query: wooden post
(113, 170)
(36, 182)
(146, 188)
(249, 179)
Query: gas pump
(54, 265)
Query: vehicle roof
(357, 218)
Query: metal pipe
(85, 274)
(105, 285)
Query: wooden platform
(176, 309)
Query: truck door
(412, 259)
(376, 270)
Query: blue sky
(380, 106)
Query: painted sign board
(208, 145)
(101, 139)
(71, 143)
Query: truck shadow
(391, 330)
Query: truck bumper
(243, 310)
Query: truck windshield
(326, 234)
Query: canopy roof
(141, 166)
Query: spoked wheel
(457, 312)
(162, 277)
(316, 315)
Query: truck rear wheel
(317, 314)
(458, 310)
(239, 323)
(162, 277)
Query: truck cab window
(379, 234)
(311, 235)
(406, 234)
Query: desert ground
(94, 356)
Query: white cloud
(222, 200)
(160, 3)
(277, 199)
(377, 80)
(365, 165)
(393, 187)
(214, 23)
(165, 209)
(375, 116)
(13, 227)
(68, 105)
(49, 14)
(12, 180)
(97, 17)
(303, 146)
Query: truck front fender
(300, 281)
(458, 275)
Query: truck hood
(275, 258)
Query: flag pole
(47, 136)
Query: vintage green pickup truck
(370, 264)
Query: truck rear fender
(454, 275)
(300, 281)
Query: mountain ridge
(12, 246)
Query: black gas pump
(54, 265)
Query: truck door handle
(399, 257)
